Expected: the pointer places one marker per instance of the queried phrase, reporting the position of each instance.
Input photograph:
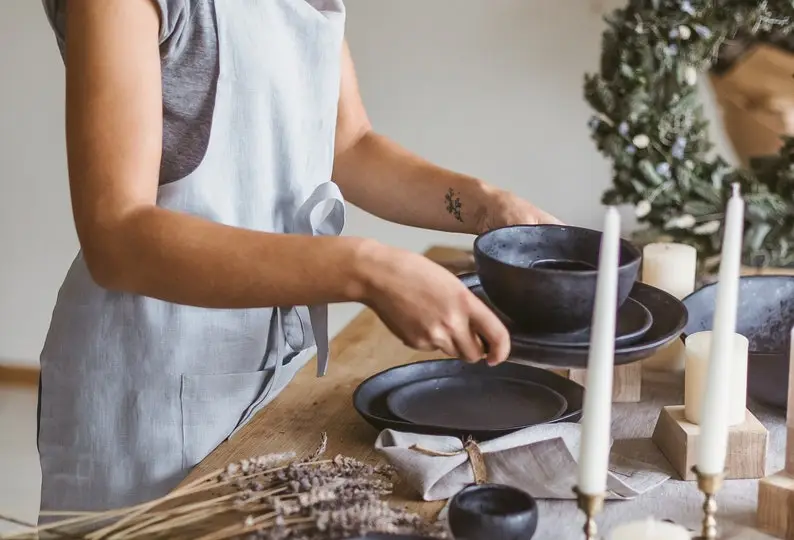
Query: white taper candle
(597, 411)
(713, 440)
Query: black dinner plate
(478, 403)
(669, 319)
(370, 397)
(632, 322)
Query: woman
(202, 137)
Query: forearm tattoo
(454, 205)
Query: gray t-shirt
(189, 59)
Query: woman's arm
(386, 180)
(114, 139)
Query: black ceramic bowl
(544, 276)
(765, 317)
(493, 512)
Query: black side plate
(669, 319)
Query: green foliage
(649, 123)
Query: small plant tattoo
(454, 205)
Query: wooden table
(309, 405)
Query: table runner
(540, 459)
(676, 500)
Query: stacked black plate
(451, 397)
(541, 281)
(543, 278)
(637, 337)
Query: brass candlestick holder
(590, 505)
(709, 485)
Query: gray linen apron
(136, 391)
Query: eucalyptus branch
(661, 43)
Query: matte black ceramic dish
(765, 317)
(669, 318)
(545, 297)
(369, 399)
(633, 322)
(493, 512)
(477, 403)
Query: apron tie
(322, 214)
(304, 326)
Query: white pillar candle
(650, 530)
(672, 268)
(698, 351)
(597, 410)
(713, 440)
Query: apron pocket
(212, 407)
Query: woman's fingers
(469, 345)
(443, 342)
(486, 325)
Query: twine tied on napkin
(540, 460)
(470, 448)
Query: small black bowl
(493, 512)
(544, 276)
(765, 316)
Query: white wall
(37, 239)
(489, 87)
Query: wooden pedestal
(776, 492)
(776, 505)
(626, 382)
(677, 440)
(670, 358)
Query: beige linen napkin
(541, 460)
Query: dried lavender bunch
(301, 476)
(340, 498)
(273, 496)
(347, 521)
(253, 466)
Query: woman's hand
(428, 308)
(502, 208)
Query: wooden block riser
(776, 505)
(790, 450)
(626, 382)
(677, 440)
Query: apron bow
(322, 214)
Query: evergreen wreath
(649, 122)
